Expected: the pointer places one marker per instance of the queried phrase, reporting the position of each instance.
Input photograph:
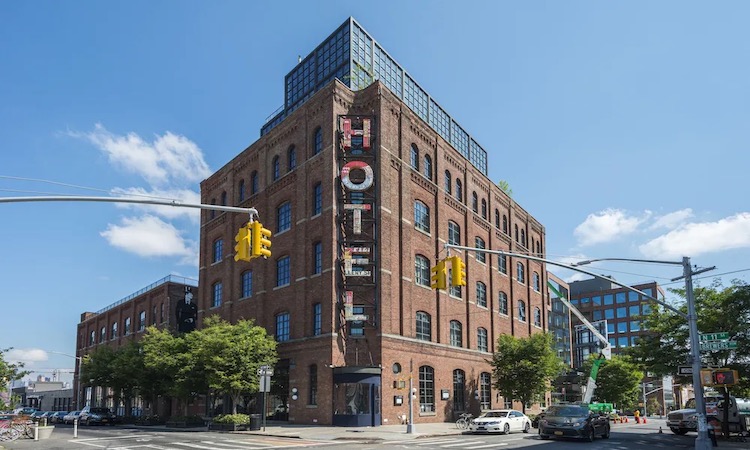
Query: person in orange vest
(637, 415)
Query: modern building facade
(167, 303)
(362, 186)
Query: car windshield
(567, 411)
(495, 414)
(100, 410)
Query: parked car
(37, 416)
(535, 421)
(500, 421)
(575, 421)
(57, 416)
(71, 416)
(97, 415)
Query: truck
(686, 419)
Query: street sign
(265, 384)
(685, 370)
(707, 337)
(718, 345)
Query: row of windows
(126, 326)
(283, 320)
(427, 390)
(610, 299)
(276, 164)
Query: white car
(71, 416)
(501, 421)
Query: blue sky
(621, 126)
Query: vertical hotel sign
(356, 217)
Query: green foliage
(523, 368)
(718, 309)
(505, 187)
(618, 381)
(237, 419)
(9, 372)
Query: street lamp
(77, 375)
(703, 441)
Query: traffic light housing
(726, 377)
(438, 278)
(242, 246)
(261, 240)
(458, 271)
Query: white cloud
(149, 236)
(27, 356)
(169, 159)
(697, 238)
(672, 220)
(168, 212)
(606, 226)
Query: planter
(45, 432)
(229, 427)
(184, 424)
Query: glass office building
(357, 60)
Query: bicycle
(463, 422)
(8, 432)
(24, 428)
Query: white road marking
(488, 445)
(439, 441)
(461, 444)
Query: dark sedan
(574, 421)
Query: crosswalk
(458, 442)
(166, 442)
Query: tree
(718, 309)
(9, 372)
(523, 368)
(618, 381)
(505, 187)
(230, 355)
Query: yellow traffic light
(242, 246)
(438, 276)
(458, 271)
(261, 240)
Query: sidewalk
(381, 433)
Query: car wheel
(606, 432)
(590, 436)
(543, 437)
(506, 428)
(526, 427)
(679, 431)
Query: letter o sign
(354, 165)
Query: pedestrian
(637, 415)
(713, 425)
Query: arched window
(448, 181)
(284, 217)
(474, 202)
(537, 316)
(459, 191)
(422, 271)
(423, 326)
(421, 216)
(522, 311)
(224, 198)
(454, 233)
(520, 275)
(427, 169)
(459, 390)
(414, 157)
(502, 303)
(247, 283)
(484, 209)
(241, 191)
(218, 291)
(497, 219)
(479, 243)
(481, 294)
(318, 141)
(516, 228)
(505, 224)
(426, 389)
(502, 264)
(485, 383)
(536, 283)
(456, 336)
(275, 168)
(482, 345)
(291, 158)
(218, 250)
(254, 182)
(523, 237)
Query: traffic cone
(644, 419)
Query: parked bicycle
(8, 432)
(463, 422)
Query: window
(622, 327)
(161, 313)
(454, 291)
(142, 321)
(422, 271)
(521, 311)
(427, 169)
(103, 334)
(459, 389)
(481, 294)
(479, 243)
(502, 264)
(317, 203)
(282, 271)
(357, 327)
(92, 338)
(291, 159)
(216, 301)
(502, 303)
(424, 326)
(620, 296)
(609, 299)
(516, 230)
(474, 202)
(313, 400)
(632, 296)
(523, 237)
(421, 216)
(454, 233)
(497, 219)
(153, 315)
(224, 198)
(284, 217)
(484, 209)
(247, 284)
(275, 169)
(218, 250)
(317, 257)
(505, 224)
(622, 341)
(596, 300)
(622, 312)
(318, 141)
(482, 339)
(456, 337)
(520, 276)
(414, 157)
(212, 213)
(485, 382)
(536, 281)
(635, 325)
(459, 191)
(113, 334)
(609, 313)
(282, 327)
(317, 319)
(254, 183)
(634, 310)
(448, 181)
(537, 317)
(597, 314)
(426, 389)
(126, 326)
(241, 191)
(610, 328)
